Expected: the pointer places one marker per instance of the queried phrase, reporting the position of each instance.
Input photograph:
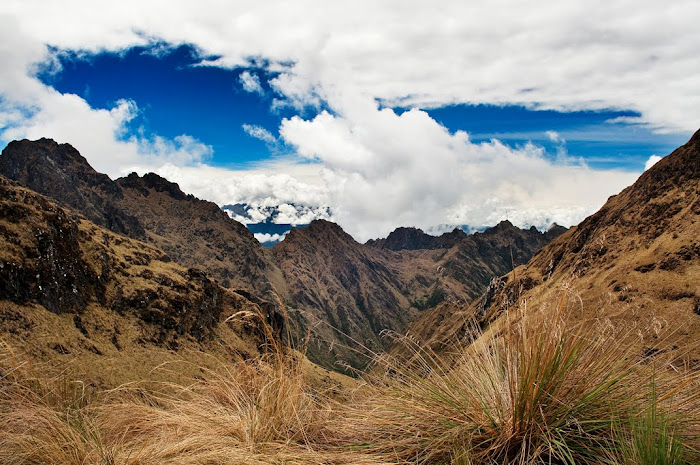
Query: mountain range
(341, 293)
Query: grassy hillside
(541, 387)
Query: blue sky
(382, 116)
(176, 96)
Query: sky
(372, 114)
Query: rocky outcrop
(39, 262)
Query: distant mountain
(415, 239)
(636, 263)
(350, 292)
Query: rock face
(635, 262)
(38, 261)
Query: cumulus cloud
(374, 168)
(250, 82)
(651, 161)
(29, 109)
(598, 55)
(390, 169)
(270, 185)
(267, 237)
(555, 137)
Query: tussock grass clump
(258, 411)
(47, 419)
(534, 388)
(250, 412)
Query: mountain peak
(26, 160)
(59, 171)
(409, 238)
(155, 182)
(318, 232)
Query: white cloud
(637, 55)
(376, 169)
(250, 82)
(555, 137)
(385, 170)
(267, 237)
(259, 132)
(651, 161)
(270, 185)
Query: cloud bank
(376, 169)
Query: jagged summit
(60, 172)
(155, 182)
(413, 239)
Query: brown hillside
(635, 261)
(112, 306)
(195, 233)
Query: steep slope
(345, 292)
(194, 232)
(114, 305)
(349, 293)
(636, 262)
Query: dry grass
(535, 388)
(46, 419)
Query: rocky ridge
(194, 232)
